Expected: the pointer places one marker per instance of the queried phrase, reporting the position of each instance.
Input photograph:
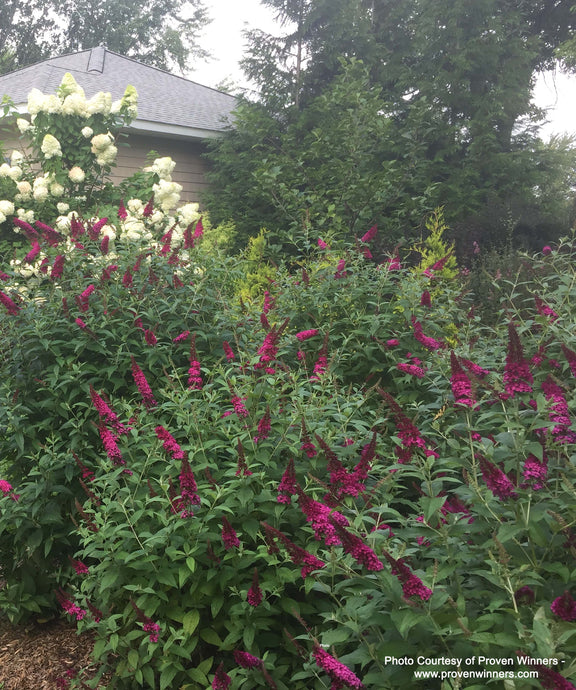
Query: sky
(223, 38)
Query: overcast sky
(223, 38)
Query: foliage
(162, 35)
(336, 487)
(441, 115)
(331, 170)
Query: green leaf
(190, 621)
(133, 658)
(211, 636)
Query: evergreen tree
(454, 79)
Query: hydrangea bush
(289, 491)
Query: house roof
(168, 105)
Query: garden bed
(34, 656)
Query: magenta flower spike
(340, 674)
(229, 536)
(143, 386)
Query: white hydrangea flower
(75, 104)
(99, 103)
(62, 207)
(56, 189)
(35, 101)
(87, 132)
(24, 190)
(188, 213)
(63, 222)
(23, 125)
(163, 167)
(26, 214)
(101, 142)
(69, 85)
(15, 172)
(135, 206)
(76, 175)
(6, 208)
(40, 190)
(167, 194)
(4, 170)
(52, 104)
(157, 217)
(108, 156)
(16, 157)
(51, 146)
(2, 218)
(130, 101)
(110, 232)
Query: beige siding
(190, 167)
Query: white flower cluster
(103, 148)
(14, 172)
(6, 209)
(71, 100)
(51, 146)
(166, 192)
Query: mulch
(33, 656)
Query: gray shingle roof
(166, 102)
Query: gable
(168, 105)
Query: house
(176, 116)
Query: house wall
(189, 171)
(190, 167)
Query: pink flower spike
(322, 244)
(340, 674)
(199, 229)
(254, 596)
(263, 427)
(496, 480)
(122, 212)
(33, 253)
(143, 386)
(70, 608)
(247, 660)
(12, 308)
(287, 487)
(169, 443)
(221, 680)
(370, 235)
(57, 267)
(229, 536)
(305, 335)
(546, 250)
(228, 351)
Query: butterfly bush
(298, 505)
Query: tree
(455, 81)
(162, 33)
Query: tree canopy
(162, 33)
(454, 81)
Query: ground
(34, 655)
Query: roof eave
(160, 129)
(163, 129)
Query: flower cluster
(517, 375)
(169, 443)
(412, 585)
(564, 607)
(298, 555)
(148, 625)
(461, 386)
(68, 606)
(340, 674)
(496, 480)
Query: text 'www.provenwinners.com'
(478, 667)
